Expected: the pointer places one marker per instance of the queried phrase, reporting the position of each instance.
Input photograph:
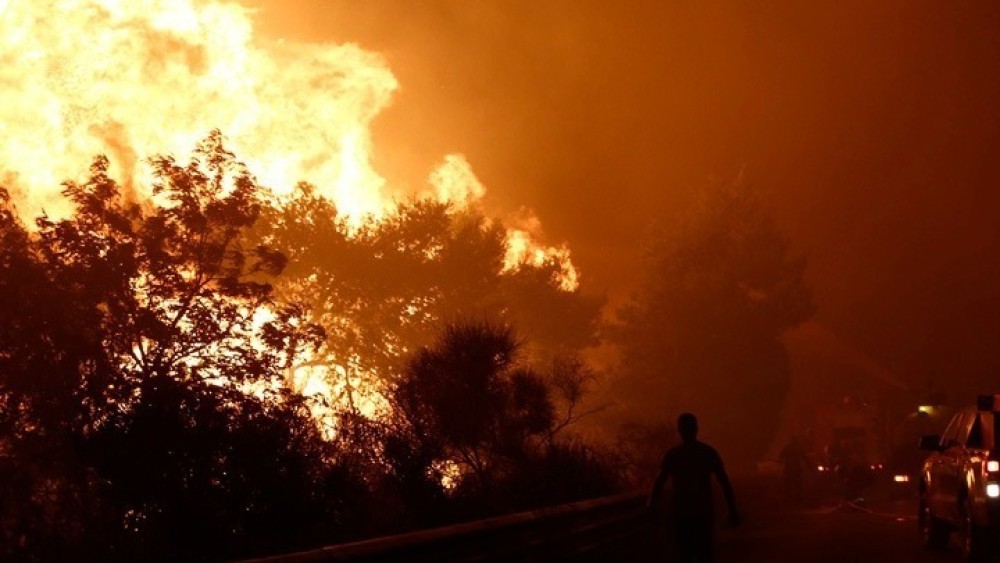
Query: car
(959, 489)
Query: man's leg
(703, 539)
(685, 540)
(693, 539)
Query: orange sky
(875, 125)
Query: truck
(846, 447)
(959, 489)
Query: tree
(147, 345)
(382, 288)
(467, 402)
(179, 293)
(569, 378)
(703, 332)
(55, 383)
(140, 370)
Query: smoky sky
(874, 125)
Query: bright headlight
(993, 490)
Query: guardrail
(568, 530)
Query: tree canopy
(384, 288)
(138, 366)
(475, 414)
(148, 345)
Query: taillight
(992, 470)
(901, 478)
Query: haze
(514, 279)
(874, 126)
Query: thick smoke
(873, 124)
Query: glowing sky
(874, 124)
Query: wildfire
(455, 181)
(522, 249)
(134, 78)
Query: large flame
(454, 180)
(133, 78)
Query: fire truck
(846, 447)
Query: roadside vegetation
(213, 372)
(156, 356)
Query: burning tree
(179, 292)
(144, 354)
(140, 367)
(383, 287)
(145, 362)
(703, 333)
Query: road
(826, 532)
(829, 534)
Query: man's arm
(661, 479)
(727, 491)
(654, 495)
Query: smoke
(133, 79)
(874, 125)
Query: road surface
(827, 532)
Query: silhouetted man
(690, 467)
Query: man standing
(690, 466)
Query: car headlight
(993, 490)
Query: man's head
(687, 426)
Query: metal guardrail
(558, 532)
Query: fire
(454, 180)
(134, 78)
(522, 249)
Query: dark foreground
(879, 531)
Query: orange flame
(133, 78)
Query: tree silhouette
(53, 378)
(147, 346)
(178, 290)
(703, 333)
(140, 366)
(467, 401)
(382, 288)
(376, 287)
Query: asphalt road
(827, 531)
(844, 534)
